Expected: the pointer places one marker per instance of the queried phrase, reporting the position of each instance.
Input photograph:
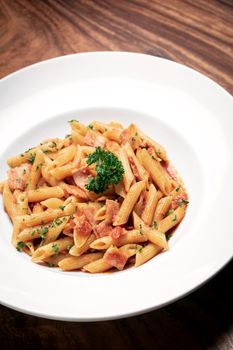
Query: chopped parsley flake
(62, 207)
(38, 166)
(20, 246)
(73, 121)
(175, 218)
(69, 246)
(90, 126)
(140, 230)
(177, 189)
(154, 225)
(50, 264)
(168, 236)
(182, 201)
(32, 157)
(55, 248)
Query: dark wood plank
(196, 33)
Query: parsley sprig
(109, 170)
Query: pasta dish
(103, 197)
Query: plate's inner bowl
(179, 149)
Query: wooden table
(197, 33)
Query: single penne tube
(99, 126)
(128, 203)
(17, 226)
(100, 213)
(146, 253)
(77, 262)
(8, 201)
(62, 172)
(47, 176)
(128, 176)
(75, 251)
(53, 261)
(130, 249)
(53, 248)
(133, 160)
(87, 150)
(76, 125)
(162, 208)
(65, 156)
(22, 207)
(43, 193)
(151, 202)
(102, 243)
(113, 134)
(115, 124)
(77, 138)
(52, 203)
(55, 228)
(153, 235)
(35, 172)
(156, 172)
(46, 216)
(171, 220)
(97, 266)
(157, 238)
(134, 236)
(159, 150)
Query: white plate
(187, 113)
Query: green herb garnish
(20, 246)
(154, 225)
(182, 201)
(55, 248)
(175, 218)
(62, 207)
(32, 157)
(90, 126)
(140, 230)
(109, 170)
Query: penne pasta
(98, 199)
(77, 262)
(151, 202)
(128, 203)
(146, 253)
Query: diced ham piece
(178, 199)
(112, 208)
(76, 191)
(141, 203)
(172, 172)
(90, 215)
(81, 176)
(18, 176)
(134, 168)
(128, 133)
(115, 257)
(102, 229)
(117, 232)
(83, 227)
(69, 227)
(93, 139)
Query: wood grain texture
(196, 33)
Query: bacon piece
(76, 191)
(18, 176)
(90, 215)
(102, 229)
(112, 208)
(141, 203)
(81, 175)
(93, 139)
(115, 257)
(83, 227)
(117, 232)
(178, 199)
(134, 168)
(128, 133)
(172, 171)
